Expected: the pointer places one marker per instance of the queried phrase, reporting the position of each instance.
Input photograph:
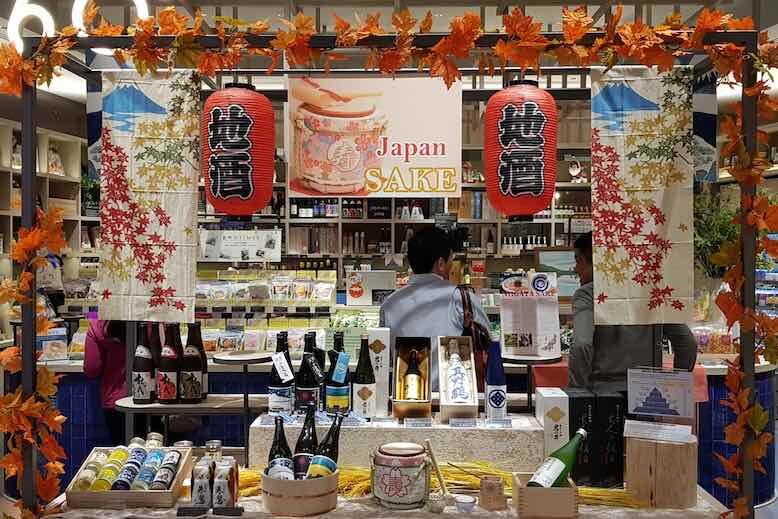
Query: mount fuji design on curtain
(642, 178)
(150, 169)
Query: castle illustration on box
(655, 403)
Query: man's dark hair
(584, 244)
(426, 247)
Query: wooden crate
(119, 499)
(662, 473)
(543, 503)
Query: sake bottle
(496, 400)
(280, 393)
(458, 385)
(169, 368)
(279, 460)
(306, 444)
(326, 460)
(191, 382)
(553, 472)
(363, 392)
(337, 389)
(307, 384)
(413, 380)
(144, 385)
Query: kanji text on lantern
(521, 169)
(229, 164)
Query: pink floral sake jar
(401, 475)
(334, 146)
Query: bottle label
(280, 399)
(167, 385)
(168, 352)
(321, 466)
(222, 497)
(172, 458)
(496, 402)
(142, 385)
(318, 374)
(192, 384)
(337, 399)
(191, 351)
(205, 382)
(137, 457)
(458, 382)
(164, 477)
(281, 468)
(305, 396)
(341, 367)
(282, 366)
(413, 387)
(363, 399)
(201, 489)
(301, 460)
(548, 472)
(142, 351)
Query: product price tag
(280, 309)
(418, 422)
(303, 310)
(499, 423)
(354, 421)
(341, 367)
(462, 422)
(192, 511)
(258, 309)
(282, 366)
(383, 421)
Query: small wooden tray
(118, 499)
(544, 503)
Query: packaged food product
(254, 340)
(281, 288)
(230, 341)
(259, 290)
(323, 291)
(301, 290)
(210, 341)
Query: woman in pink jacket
(105, 357)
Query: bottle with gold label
(414, 383)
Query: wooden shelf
(313, 220)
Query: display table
(519, 448)
(366, 508)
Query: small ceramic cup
(465, 504)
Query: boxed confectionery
(553, 413)
(456, 378)
(402, 405)
(607, 444)
(581, 406)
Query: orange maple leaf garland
(33, 420)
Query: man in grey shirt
(601, 355)
(430, 305)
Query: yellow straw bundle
(461, 478)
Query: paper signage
(374, 137)
(282, 367)
(529, 325)
(255, 245)
(341, 367)
(660, 393)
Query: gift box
(401, 407)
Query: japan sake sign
(379, 137)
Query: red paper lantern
(520, 149)
(238, 149)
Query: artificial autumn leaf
(403, 21)
(731, 465)
(345, 35)
(391, 61)
(47, 487)
(46, 383)
(734, 434)
(728, 484)
(28, 244)
(12, 463)
(758, 418)
(50, 448)
(741, 24)
(707, 21)
(10, 70)
(301, 24)
(42, 324)
(54, 468)
(658, 56)
(145, 55)
(426, 23)
(171, 22)
(729, 126)
(11, 359)
(758, 448)
(728, 254)
(106, 29)
(53, 419)
(90, 13)
(575, 23)
(447, 69)
(730, 307)
(636, 38)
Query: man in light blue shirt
(430, 305)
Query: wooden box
(402, 408)
(119, 499)
(662, 473)
(450, 409)
(300, 497)
(544, 503)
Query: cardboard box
(581, 406)
(553, 413)
(608, 442)
(450, 409)
(402, 408)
